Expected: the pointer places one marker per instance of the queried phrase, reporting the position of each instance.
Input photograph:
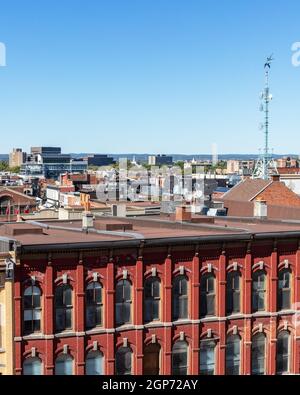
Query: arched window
(94, 363)
(64, 365)
(233, 355)
(258, 354)
(152, 299)
(233, 292)
(151, 359)
(180, 298)
(123, 361)
(63, 307)
(207, 294)
(258, 291)
(284, 289)
(32, 366)
(180, 358)
(94, 305)
(32, 310)
(207, 357)
(123, 302)
(283, 353)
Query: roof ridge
(264, 188)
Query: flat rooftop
(114, 229)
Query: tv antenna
(265, 165)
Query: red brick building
(13, 202)
(156, 296)
(282, 202)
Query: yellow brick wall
(6, 323)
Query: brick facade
(192, 260)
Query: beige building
(6, 314)
(17, 157)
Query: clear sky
(161, 76)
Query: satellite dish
(270, 97)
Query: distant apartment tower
(17, 157)
(159, 160)
(241, 167)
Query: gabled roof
(17, 195)
(246, 190)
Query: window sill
(286, 311)
(36, 335)
(125, 327)
(182, 321)
(153, 324)
(65, 334)
(97, 329)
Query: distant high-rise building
(17, 157)
(99, 160)
(49, 162)
(159, 160)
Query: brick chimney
(275, 177)
(183, 213)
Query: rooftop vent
(22, 229)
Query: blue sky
(165, 76)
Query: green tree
(15, 169)
(4, 166)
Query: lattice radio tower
(265, 165)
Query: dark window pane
(210, 284)
(210, 304)
(119, 292)
(119, 319)
(68, 296)
(98, 295)
(27, 301)
(282, 357)
(127, 291)
(36, 301)
(123, 361)
(156, 289)
(32, 367)
(68, 319)
(156, 310)
(179, 358)
(126, 312)
(207, 358)
(236, 302)
(233, 355)
(147, 310)
(89, 296)
(258, 354)
(258, 291)
(98, 315)
(90, 317)
(94, 363)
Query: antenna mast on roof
(265, 165)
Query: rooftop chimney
(87, 220)
(260, 209)
(183, 213)
(118, 210)
(275, 177)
